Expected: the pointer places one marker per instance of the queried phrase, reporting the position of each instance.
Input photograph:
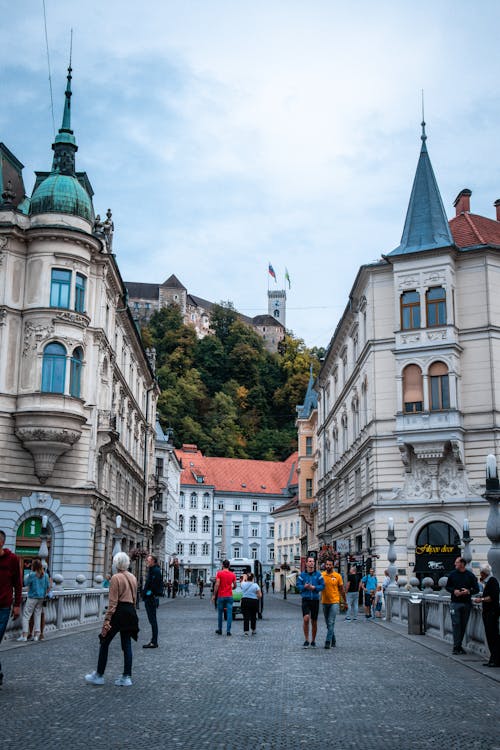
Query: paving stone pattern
(376, 689)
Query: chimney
(497, 206)
(462, 202)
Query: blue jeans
(459, 613)
(126, 648)
(225, 602)
(4, 619)
(330, 612)
(353, 602)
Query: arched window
(413, 392)
(181, 523)
(355, 418)
(181, 500)
(205, 549)
(206, 501)
(436, 306)
(75, 373)
(194, 500)
(205, 524)
(345, 433)
(180, 548)
(193, 524)
(439, 386)
(54, 368)
(80, 286)
(410, 310)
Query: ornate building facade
(409, 389)
(77, 393)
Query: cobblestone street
(377, 689)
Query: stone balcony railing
(436, 617)
(68, 608)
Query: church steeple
(426, 225)
(64, 146)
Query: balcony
(48, 425)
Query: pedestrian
(106, 582)
(331, 597)
(186, 587)
(461, 584)
(272, 584)
(369, 586)
(379, 600)
(352, 593)
(175, 588)
(169, 588)
(386, 582)
(491, 610)
(38, 587)
(267, 582)
(121, 617)
(11, 588)
(44, 608)
(310, 584)
(201, 585)
(153, 588)
(250, 595)
(225, 582)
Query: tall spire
(64, 145)
(426, 225)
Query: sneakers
(150, 645)
(327, 644)
(36, 638)
(254, 632)
(123, 681)
(306, 644)
(228, 634)
(313, 644)
(246, 634)
(94, 679)
(22, 638)
(219, 632)
(458, 650)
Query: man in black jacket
(150, 593)
(461, 585)
(491, 611)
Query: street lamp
(285, 568)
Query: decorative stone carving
(410, 338)
(440, 335)
(405, 456)
(434, 470)
(70, 316)
(34, 335)
(410, 281)
(3, 315)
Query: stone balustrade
(436, 613)
(68, 608)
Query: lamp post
(285, 568)
(492, 495)
(466, 540)
(391, 554)
(44, 550)
(118, 539)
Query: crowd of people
(316, 587)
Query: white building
(77, 393)
(166, 499)
(409, 388)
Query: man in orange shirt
(331, 596)
(225, 582)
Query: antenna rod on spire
(423, 136)
(70, 47)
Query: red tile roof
(471, 229)
(238, 474)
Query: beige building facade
(409, 393)
(77, 392)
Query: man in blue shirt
(310, 584)
(369, 586)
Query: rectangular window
(255, 531)
(309, 488)
(255, 505)
(60, 288)
(236, 529)
(410, 310)
(236, 551)
(254, 553)
(271, 553)
(192, 548)
(237, 506)
(204, 549)
(436, 307)
(357, 483)
(80, 285)
(219, 529)
(440, 393)
(270, 532)
(309, 446)
(220, 505)
(159, 467)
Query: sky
(226, 134)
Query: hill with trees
(226, 392)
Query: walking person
(38, 584)
(369, 586)
(121, 617)
(490, 613)
(225, 582)
(310, 584)
(331, 596)
(153, 587)
(352, 593)
(11, 588)
(250, 595)
(461, 585)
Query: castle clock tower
(277, 305)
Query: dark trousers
(249, 609)
(150, 605)
(4, 619)
(490, 621)
(126, 648)
(460, 614)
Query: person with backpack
(310, 584)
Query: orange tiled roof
(471, 229)
(238, 474)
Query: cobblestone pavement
(376, 689)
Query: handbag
(343, 606)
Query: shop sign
(343, 546)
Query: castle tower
(277, 305)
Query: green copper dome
(62, 194)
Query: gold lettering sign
(426, 549)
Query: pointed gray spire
(426, 226)
(310, 400)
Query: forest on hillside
(226, 392)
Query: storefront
(437, 547)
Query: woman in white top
(251, 594)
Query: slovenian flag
(287, 278)
(271, 272)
